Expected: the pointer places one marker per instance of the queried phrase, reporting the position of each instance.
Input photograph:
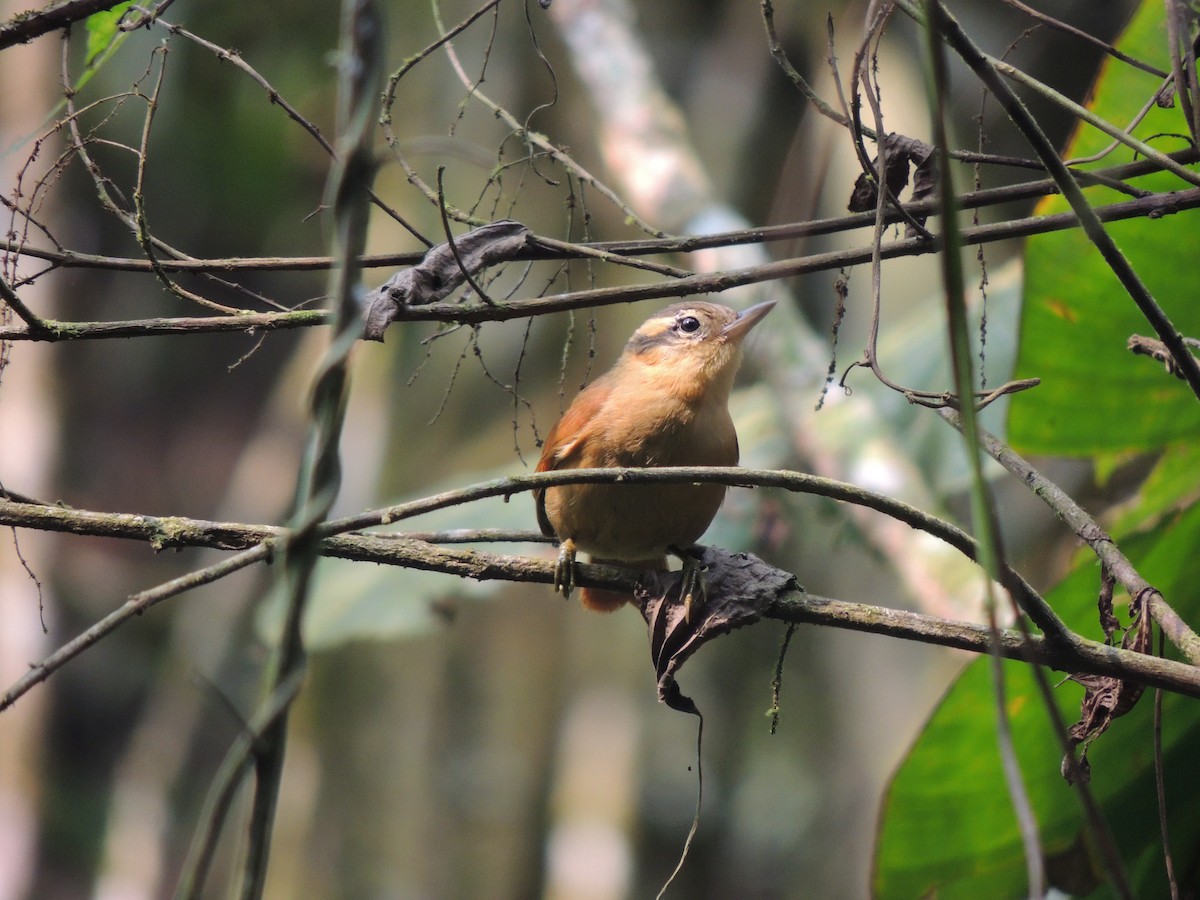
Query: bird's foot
(693, 587)
(564, 569)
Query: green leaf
(1095, 396)
(1172, 486)
(102, 31)
(947, 825)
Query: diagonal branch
(988, 71)
(1089, 531)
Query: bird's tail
(600, 600)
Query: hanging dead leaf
(739, 587)
(902, 154)
(865, 195)
(1105, 699)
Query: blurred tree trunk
(27, 409)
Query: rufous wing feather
(563, 446)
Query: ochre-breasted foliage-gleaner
(664, 403)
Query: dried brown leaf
(739, 587)
(1105, 699)
(439, 274)
(865, 195)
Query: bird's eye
(689, 324)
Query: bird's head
(694, 343)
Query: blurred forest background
(458, 739)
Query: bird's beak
(747, 319)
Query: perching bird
(664, 403)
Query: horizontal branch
(54, 330)
(178, 531)
(799, 607)
(1153, 205)
(24, 27)
(72, 259)
(544, 248)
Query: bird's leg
(693, 588)
(564, 568)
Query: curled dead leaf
(739, 587)
(1105, 699)
(902, 154)
(439, 274)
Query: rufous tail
(600, 600)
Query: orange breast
(606, 427)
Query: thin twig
(277, 99)
(1067, 28)
(446, 230)
(136, 605)
(989, 70)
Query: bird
(665, 402)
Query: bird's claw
(564, 569)
(693, 587)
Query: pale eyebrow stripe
(654, 333)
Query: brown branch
(54, 330)
(1156, 205)
(24, 27)
(70, 259)
(547, 248)
(180, 532)
(1070, 652)
(1089, 531)
(799, 607)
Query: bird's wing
(563, 448)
